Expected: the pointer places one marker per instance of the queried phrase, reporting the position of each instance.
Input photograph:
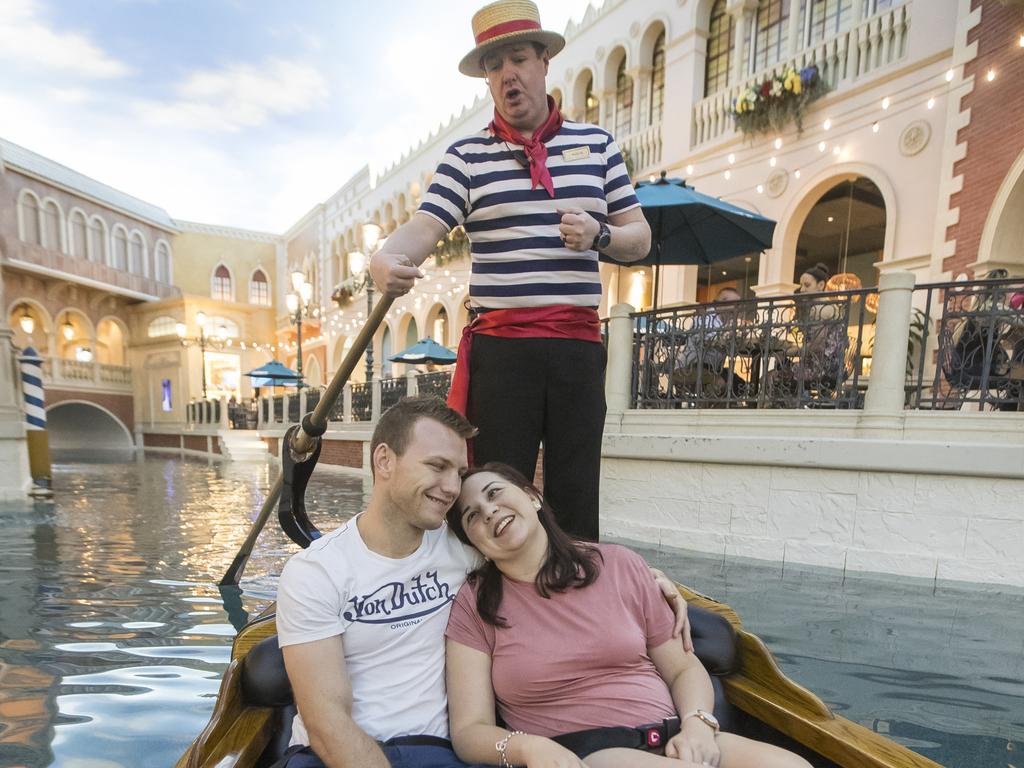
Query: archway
(1003, 234)
(312, 372)
(31, 325)
(110, 342)
(84, 428)
(386, 347)
(845, 231)
(74, 336)
(437, 324)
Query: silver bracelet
(502, 745)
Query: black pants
(525, 391)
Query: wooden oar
(313, 425)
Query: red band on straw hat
(519, 25)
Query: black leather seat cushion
(265, 682)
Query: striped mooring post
(35, 422)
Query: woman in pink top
(572, 643)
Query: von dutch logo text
(398, 601)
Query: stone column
(225, 422)
(605, 108)
(375, 399)
(346, 403)
(742, 12)
(796, 37)
(411, 383)
(638, 121)
(620, 358)
(284, 408)
(892, 335)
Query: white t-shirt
(391, 614)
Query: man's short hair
(396, 423)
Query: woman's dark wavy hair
(570, 564)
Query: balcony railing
(787, 352)
(972, 346)
(848, 56)
(77, 374)
(28, 256)
(643, 149)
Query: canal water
(113, 635)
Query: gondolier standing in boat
(539, 196)
(361, 613)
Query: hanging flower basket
(778, 101)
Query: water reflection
(114, 635)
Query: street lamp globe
(292, 301)
(201, 319)
(181, 329)
(306, 292)
(298, 279)
(26, 321)
(356, 262)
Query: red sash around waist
(560, 321)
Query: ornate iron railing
(392, 390)
(971, 351)
(436, 383)
(788, 352)
(362, 402)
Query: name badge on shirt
(576, 153)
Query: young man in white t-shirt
(362, 612)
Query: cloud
(27, 39)
(239, 96)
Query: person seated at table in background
(567, 636)
(819, 361)
(701, 362)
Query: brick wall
(195, 443)
(121, 406)
(343, 453)
(995, 135)
(161, 441)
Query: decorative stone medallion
(915, 137)
(777, 182)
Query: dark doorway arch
(78, 426)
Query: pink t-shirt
(578, 659)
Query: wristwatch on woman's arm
(705, 717)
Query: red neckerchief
(536, 152)
(559, 321)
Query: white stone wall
(935, 526)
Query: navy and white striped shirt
(519, 260)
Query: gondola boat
(251, 722)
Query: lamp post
(359, 263)
(200, 340)
(297, 301)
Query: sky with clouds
(244, 113)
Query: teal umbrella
(425, 351)
(273, 374)
(688, 227)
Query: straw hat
(504, 22)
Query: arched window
(163, 262)
(137, 255)
(772, 32)
(79, 232)
(28, 217)
(97, 240)
(828, 17)
(440, 329)
(53, 223)
(120, 249)
(720, 45)
(222, 283)
(658, 79)
(623, 102)
(163, 326)
(591, 107)
(259, 289)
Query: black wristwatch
(603, 238)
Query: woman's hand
(695, 743)
(539, 752)
(678, 605)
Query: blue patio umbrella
(273, 374)
(425, 351)
(688, 227)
